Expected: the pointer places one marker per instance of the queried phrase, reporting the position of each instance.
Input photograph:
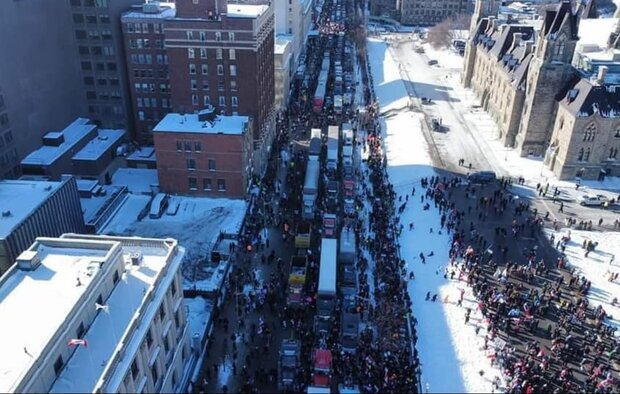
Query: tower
(483, 8)
(549, 71)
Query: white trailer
(332, 147)
(346, 255)
(347, 134)
(311, 187)
(327, 277)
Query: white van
(158, 205)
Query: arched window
(580, 155)
(586, 156)
(590, 132)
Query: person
(561, 207)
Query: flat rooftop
(595, 32)
(34, 304)
(98, 146)
(166, 10)
(281, 42)
(145, 153)
(189, 123)
(19, 199)
(245, 10)
(127, 302)
(73, 134)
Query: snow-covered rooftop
(189, 123)
(281, 42)
(94, 205)
(145, 153)
(74, 133)
(137, 180)
(166, 10)
(595, 32)
(98, 146)
(246, 10)
(20, 199)
(34, 304)
(135, 297)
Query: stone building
(422, 12)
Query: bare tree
(452, 28)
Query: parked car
(588, 200)
(432, 62)
(426, 100)
(482, 177)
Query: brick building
(218, 54)
(204, 155)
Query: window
(613, 152)
(160, 59)
(218, 36)
(76, 3)
(211, 164)
(218, 53)
(233, 85)
(203, 53)
(105, 19)
(231, 36)
(617, 134)
(220, 86)
(192, 68)
(78, 18)
(580, 155)
(106, 34)
(190, 35)
(234, 101)
(188, 146)
(145, 28)
(149, 339)
(204, 69)
(206, 185)
(586, 156)
(203, 36)
(80, 34)
(190, 53)
(154, 374)
(80, 331)
(179, 146)
(220, 69)
(194, 99)
(193, 84)
(102, 3)
(222, 101)
(89, 81)
(221, 185)
(91, 19)
(166, 345)
(141, 115)
(197, 146)
(232, 55)
(191, 164)
(58, 365)
(193, 183)
(589, 133)
(207, 100)
(233, 70)
(139, 102)
(86, 66)
(115, 278)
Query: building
(147, 65)
(203, 155)
(33, 97)
(293, 18)
(586, 134)
(80, 149)
(386, 8)
(75, 299)
(283, 64)
(143, 157)
(32, 209)
(598, 45)
(99, 42)
(218, 54)
(423, 12)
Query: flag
(77, 342)
(105, 308)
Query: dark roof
(554, 19)
(584, 99)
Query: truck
(332, 195)
(314, 149)
(297, 280)
(347, 252)
(347, 155)
(288, 364)
(303, 235)
(322, 373)
(347, 134)
(326, 299)
(311, 187)
(338, 104)
(332, 148)
(330, 222)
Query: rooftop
(160, 10)
(281, 42)
(20, 199)
(594, 33)
(74, 133)
(98, 146)
(145, 153)
(34, 304)
(245, 10)
(189, 123)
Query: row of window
(88, 66)
(148, 73)
(219, 53)
(204, 69)
(103, 95)
(234, 100)
(90, 3)
(93, 34)
(151, 102)
(191, 163)
(107, 110)
(584, 154)
(188, 145)
(91, 19)
(90, 81)
(148, 59)
(96, 50)
(202, 35)
(150, 87)
(206, 184)
(145, 28)
(145, 43)
(193, 84)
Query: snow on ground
(137, 180)
(450, 352)
(126, 215)
(596, 267)
(199, 311)
(446, 57)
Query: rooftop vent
(209, 114)
(136, 258)
(28, 260)
(47, 188)
(6, 214)
(151, 7)
(103, 137)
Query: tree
(455, 27)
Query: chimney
(491, 25)
(602, 73)
(503, 27)
(527, 49)
(516, 40)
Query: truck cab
(321, 376)
(288, 364)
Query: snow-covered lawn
(445, 57)
(199, 312)
(450, 352)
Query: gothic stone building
(542, 106)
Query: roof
(145, 153)
(595, 32)
(555, 19)
(189, 123)
(21, 198)
(166, 10)
(34, 304)
(135, 297)
(584, 99)
(281, 42)
(105, 140)
(73, 134)
(245, 10)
